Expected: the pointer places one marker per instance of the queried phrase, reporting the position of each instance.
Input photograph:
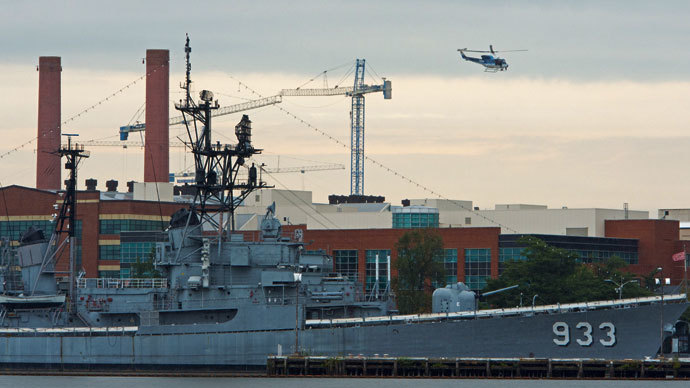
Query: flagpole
(685, 270)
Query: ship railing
(504, 312)
(122, 282)
(71, 330)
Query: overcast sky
(593, 115)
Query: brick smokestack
(156, 152)
(48, 142)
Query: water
(262, 382)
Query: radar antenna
(218, 189)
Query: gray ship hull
(623, 333)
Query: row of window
(126, 252)
(117, 226)
(13, 230)
(586, 256)
(372, 256)
(415, 220)
(477, 266)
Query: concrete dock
(533, 368)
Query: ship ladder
(3, 314)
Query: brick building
(101, 216)
(106, 247)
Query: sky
(593, 115)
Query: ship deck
(493, 313)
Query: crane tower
(357, 92)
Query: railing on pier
(122, 283)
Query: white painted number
(561, 330)
(611, 334)
(588, 333)
(562, 333)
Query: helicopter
(490, 63)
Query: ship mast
(218, 189)
(66, 220)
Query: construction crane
(124, 144)
(357, 92)
(188, 177)
(303, 169)
(253, 104)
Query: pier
(526, 368)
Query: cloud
(483, 138)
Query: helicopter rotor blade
(509, 51)
(491, 48)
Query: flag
(680, 256)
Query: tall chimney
(48, 142)
(157, 97)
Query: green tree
(418, 267)
(144, 269)
(556, 276)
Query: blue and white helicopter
(490, 63)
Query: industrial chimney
(156, 152)
(48, 141)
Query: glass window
(109, 252)
(509, 254)
(108, 274)
(383, 255)
(450, 264)
(477, 267)
(131, 251)
(415, 220)
(13, 230)
(346, 263)
(127, 225)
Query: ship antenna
(66, 223)
(218, 187)
(188, 78)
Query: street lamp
(662, 281)
(620, 285)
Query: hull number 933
(583, 334)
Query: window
(415, 220)
(13, 230)
(109, 252)
(131, 251)
(508, 254)
(346, 263)
(468, 220)
(383, 255)
(450, 264)
(108, 274)
(125, 225)
(477, 267)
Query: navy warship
(220, 301)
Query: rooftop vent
(91, 184)
(111, 185)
